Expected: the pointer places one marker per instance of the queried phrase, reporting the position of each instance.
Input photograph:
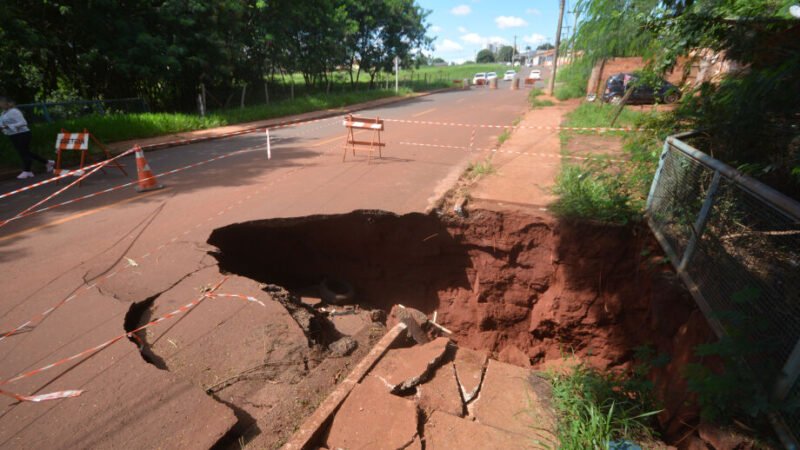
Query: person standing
(15, 126)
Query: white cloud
(533, 11)
(534, 38)
(436, 28)
(462, 30)
(498, 40)
(461, 10)
(476, 39)
(504, 22)
(449, 46)
(473, 38)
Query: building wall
(714, 66)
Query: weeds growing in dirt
(479, 169)
(503, 136)
(598, 407)
(535, 102)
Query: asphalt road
(150, 241)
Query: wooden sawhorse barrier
(362, 123)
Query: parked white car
(535, 74)
(510, 74)
(479, 78)
(491, 75)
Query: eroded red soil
(525, 288)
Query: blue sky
(461, 27)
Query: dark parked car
(616, 84)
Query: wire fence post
(700, 224)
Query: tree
(505, 53)
(485, 56)
(527, 48)
(545, 46)
(164, 50)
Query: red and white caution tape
(173, 143)
(131, 183)
(133, 263)
(51, 196)
(243, 297)
(530, 127)
(106, 344)
(42, 397)
(497, 150)
(130, 334)
(64, 174)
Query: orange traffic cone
(147, 182)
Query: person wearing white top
(14, 125)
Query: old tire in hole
(336, 291)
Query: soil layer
(525, 288)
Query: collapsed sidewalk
(408, 391)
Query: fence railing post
(657, 175)
(46, 114)
(100, 107)
(700, 223)
(789, 374)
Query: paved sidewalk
(525, 180)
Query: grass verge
(597, 408)
(606, 191)
(573, 80)
(120, 127)
(536, 102)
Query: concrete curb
(115, 147)
(309, 431)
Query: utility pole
(555, 52)
(513, 50)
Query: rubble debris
(444, 431)
(370, 417)
(403, 368)
(440, 393)
(343, 347)
(470, 366)
(515, 399)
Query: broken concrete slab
(517, 400)
(470, 366)
(310, 430)
(444, 431)
(403, 368)
(372, 418)
(222, 340)
(441, 392)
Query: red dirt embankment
(526, 288)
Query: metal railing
(735, 243)
(50, 112)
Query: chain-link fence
(51, 112)
(736, 244)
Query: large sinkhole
(524, 288)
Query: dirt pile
(525, 288)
